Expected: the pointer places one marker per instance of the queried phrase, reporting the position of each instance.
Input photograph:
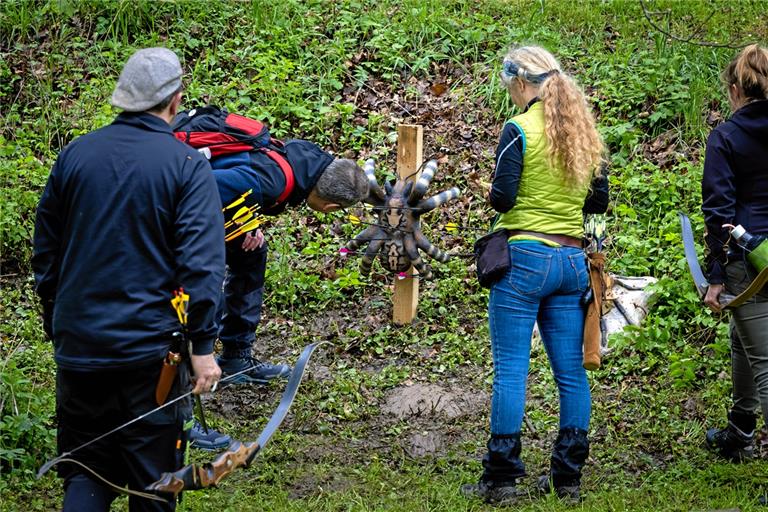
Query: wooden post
(409, 156)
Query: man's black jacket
(128, 215)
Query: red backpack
(223, 133)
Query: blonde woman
(735, 191)
(547, 175)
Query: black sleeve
(47, 246)
(597, 198)
(509, 169)
(199, 252)
(718, 191)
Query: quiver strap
(592, 334)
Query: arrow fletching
(240, 200)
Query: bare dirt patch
(420, 444)
(420, 399)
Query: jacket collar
(143, 120)
(530, 103)
(753, 108)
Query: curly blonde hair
(573, 140)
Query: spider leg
(407, 188)
(369, 255)
(439, 199)
(413, 254)
(426, 246)
(363, 237)
(420, 188)
(376, 196)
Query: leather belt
(564, 240)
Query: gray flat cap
(149, 76)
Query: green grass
(344, 74)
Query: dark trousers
(749, 343)
(89, 404)
(240, 309)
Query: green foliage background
(302, 65)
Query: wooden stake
(410, 138)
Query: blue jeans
(545, 285)
(240, 309)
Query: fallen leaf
(439, 88)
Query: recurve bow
(726, 300)
(240, 454)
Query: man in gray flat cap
(129, 216)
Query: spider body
(397, 238)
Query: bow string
(240, 454)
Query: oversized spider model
(397, 237)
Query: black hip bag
(492, 257)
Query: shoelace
(211, 432)
(255, 363)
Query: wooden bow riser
(201, 476)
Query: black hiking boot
(736, 442)
(569, 454)
(257, 372)
(568, 493)
(210, 440)
(501, 469)
(495, 494)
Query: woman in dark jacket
(735, 191)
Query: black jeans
(89, 404)
(240, 309)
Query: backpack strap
(282, 162)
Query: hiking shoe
(210, 441)
(731, 443)
(259, 373)
(568, 493)
(496, 495)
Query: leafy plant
(344, 74)
(21, 178)
(26, 405)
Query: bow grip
(196, 476)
